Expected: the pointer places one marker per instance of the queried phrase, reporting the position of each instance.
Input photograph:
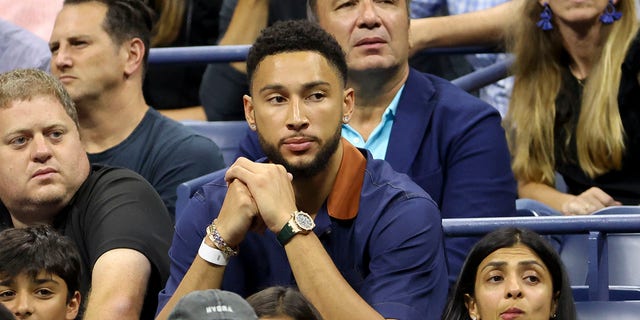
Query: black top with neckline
(624, 184)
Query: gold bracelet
(216, 238)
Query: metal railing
(596, 226)
(234, 53)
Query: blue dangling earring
(545, 18)
(610, 15)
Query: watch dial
(304, 221)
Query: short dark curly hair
(295, 36)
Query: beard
(309, 169)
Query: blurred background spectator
(223, 84)
(448, 66)
(173, 88)
(36, 16)
(21, 49)
(496, 94)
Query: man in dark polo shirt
(360, 240)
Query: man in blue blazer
(449, 142)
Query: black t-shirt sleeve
(117, 208)
(122, 210)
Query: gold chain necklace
(580, 81)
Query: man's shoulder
(447, 95)
(380, 175)
(104, 177)
(175, 135)
(387, 194)
(109, 189)
(105, 172)
(165, 124)
(445, 104)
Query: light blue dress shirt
(379, 138)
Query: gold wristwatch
(300, 222)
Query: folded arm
(118, 285)
(316, 274)
(234, 221)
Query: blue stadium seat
(597, 288)
(186, 189)
(616, 293)
(226, 134)
(605, 310)
(583, 255)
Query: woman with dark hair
(283, 303)
(511, 273)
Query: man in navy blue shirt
(360, 240)
(450, 143)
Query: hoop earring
(545, 18)
(610, 15)
(252, 126)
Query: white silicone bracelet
(212, 255)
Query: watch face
(304, 221)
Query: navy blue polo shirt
(382, 231)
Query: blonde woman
(575, 105)
(574, 109)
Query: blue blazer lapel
(412, 120)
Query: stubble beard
(304, 170)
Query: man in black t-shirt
(117, 220)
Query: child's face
(42, 298)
